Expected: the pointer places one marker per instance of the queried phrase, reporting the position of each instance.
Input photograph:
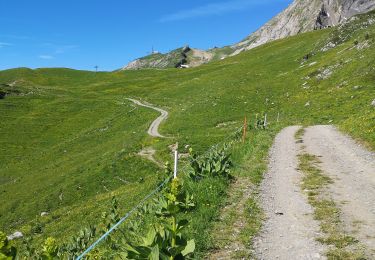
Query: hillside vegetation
(69, 139)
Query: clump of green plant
(165, 240)
(7, 250)
(299, 134)
(50, 249)
(79, 243)
(260, 122)
(216, 163)
(76, 244)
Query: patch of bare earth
(149, 153)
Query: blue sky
(109, 33)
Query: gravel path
(289, 231)
(153, 130)
(352, 169)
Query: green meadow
(69, 140)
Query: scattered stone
(373, 103)
(15, 235)
(328, 46)
(307, 104)
(44, 213)
(312, 63)
(325, 74)
(279, 213)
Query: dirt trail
(352, 169)
(149, 154)
(153, 130)
(289, 231)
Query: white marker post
(175, 164)
(278, 117)
(265, 120)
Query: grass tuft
(314, 182)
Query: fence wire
(185, 168)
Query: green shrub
(165, 240)
(7, 250)
(50, 249)
(213, 164)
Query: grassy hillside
(70, 140)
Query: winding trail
(154, 127)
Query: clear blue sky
(109, 33)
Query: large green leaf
(150, 238)
(190, 247)
(154, 253)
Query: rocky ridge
(303, 16)
(299, 17)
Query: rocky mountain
(303, 16)
(300, 16)
(182, 57)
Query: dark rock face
(186, 49)
(323, 20)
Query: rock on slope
(303, 16)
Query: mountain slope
(301, 16)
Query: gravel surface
(289, 231)
(154, 127)
(352, 169)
